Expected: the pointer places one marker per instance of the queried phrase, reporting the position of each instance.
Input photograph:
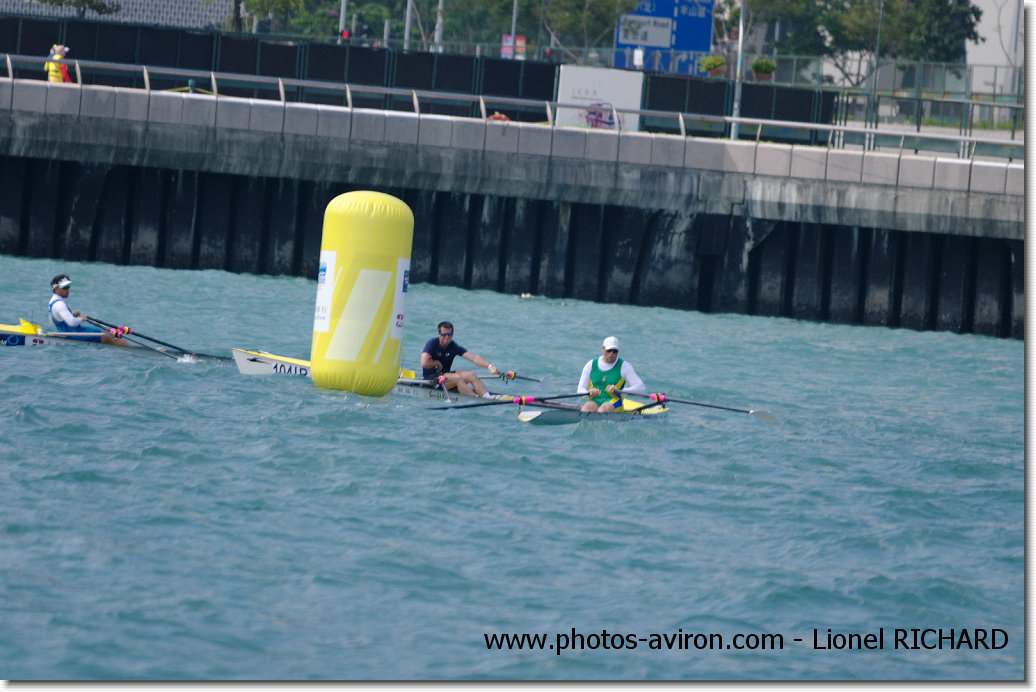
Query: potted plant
(763, 69)
(715, 65)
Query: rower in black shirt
(437, 360)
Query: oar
(70, 336)
(512, 375)
(102, 323)
(442, 383)
(520, 400)
(758, 414)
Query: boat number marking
(287, 369)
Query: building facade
(190, 14)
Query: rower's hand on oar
(613, 390)
(493, 370)
(593, 393)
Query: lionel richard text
(912, 638)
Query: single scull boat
(549, 413)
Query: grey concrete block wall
(844, 166)
(368, 125)
(668, 150)
(166, 107)
(301, 118)
(720, 155)
(97, 102)
(335, 122)
(199, 110)
(604, 145)
(952, 174)
(266, 116)
(233, 113)
(634, 147)
(435, 130)
(880, 168)
(402, 128)
(478, 135)
(1015, 184)
(534, 139)
(988, 177)
(63, 99)
(569, 143)
(29, 96)
(773, 159)
(131, 104)
(916, 171)
(409, 129)
(808, 162)
(499, 136)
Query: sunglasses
(612, 350)
(445, 333)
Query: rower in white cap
(605, 378)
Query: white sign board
(589, 97)
(641, 30)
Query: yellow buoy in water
(361, 292)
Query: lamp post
(341, 20)
(406, 25)
(736, 111)
(438, 29)
(872, 106)
(514, 29)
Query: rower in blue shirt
(69, 321)
(437, 360)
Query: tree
(584, 23)
(846, 30)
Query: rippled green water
(170, 520)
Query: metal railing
(285, 90)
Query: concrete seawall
(193, 181)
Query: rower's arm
(428, 362)
(64, 314)
(477, 359)
(633, 385)
(584, 378)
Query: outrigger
(257, 362)
(27, 333)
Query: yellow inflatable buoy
(361, 292)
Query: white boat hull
(564, 414)
(263, 363)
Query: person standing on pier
(56, 70)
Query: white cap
(611, 343)
(61, 281)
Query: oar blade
(764, 416)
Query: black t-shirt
(443, 355)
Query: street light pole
(438, 29)
(514, 30)
(406, 25)
(736, 111)
(872, 106)
(341, 20)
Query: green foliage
(710, 62)
(764, 66)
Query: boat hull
(263, 363)
(28, 334)
(562, 414)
